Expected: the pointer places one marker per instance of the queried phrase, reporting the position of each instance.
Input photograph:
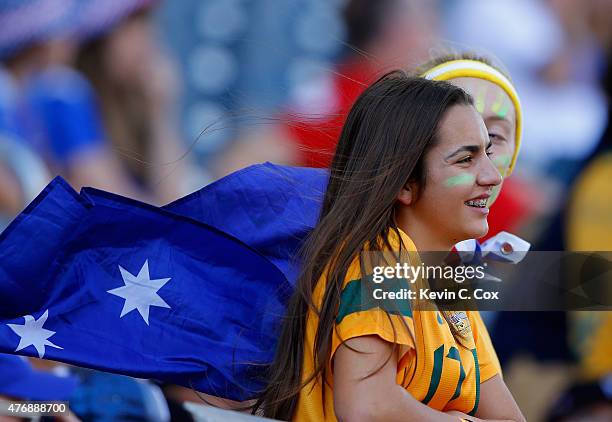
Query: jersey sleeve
(359, 314)
(487, 358)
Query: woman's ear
(406, 195)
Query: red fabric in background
(316, 136)
(511, 209)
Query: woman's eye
(496, 137)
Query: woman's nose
(489, 175)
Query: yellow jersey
(438, 370)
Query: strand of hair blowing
(387, 132)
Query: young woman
(405, 144)
(273, 208)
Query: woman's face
(499, 115)
(459, 180)
(129, 49)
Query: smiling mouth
(477, 203)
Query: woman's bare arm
(378, 397)
(496, 401)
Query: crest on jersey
(460, 327)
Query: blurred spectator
(554, 62)
(105, 397)
(382, 35)
(137, 86)
(20, 381)
(589, 228)
(22, 172)
(51, 109)
(102, 396)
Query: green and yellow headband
(464, 68)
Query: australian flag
(192, 293)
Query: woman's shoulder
(389, 253)
(362, 264)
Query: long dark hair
(387, 132)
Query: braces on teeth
(480, 203)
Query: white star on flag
(32, 333)
(140, 292)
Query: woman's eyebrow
(469, 148)
(466, 148)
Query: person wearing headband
(495, 99)
(498, 103)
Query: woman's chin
(482, 232)
(476, 231)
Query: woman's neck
(425, 239)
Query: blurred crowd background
(154, 99)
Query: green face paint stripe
(504, 110)
(498, 102)
(436, 374)
(453, 353)
(460, 179)
(502, 160)
(477, 368)
(494, 195)
(480, 100)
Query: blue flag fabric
(102, 281)
(269, 207)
